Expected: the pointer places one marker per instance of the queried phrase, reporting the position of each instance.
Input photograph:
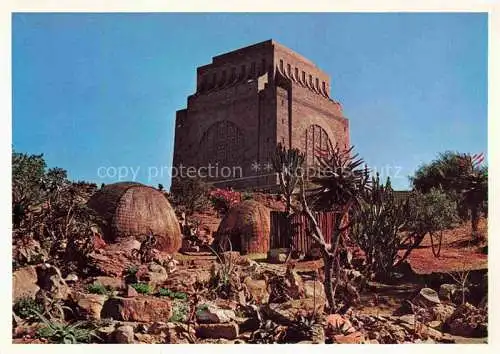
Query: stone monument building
(246, 102)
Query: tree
(189, 194)
(341, 184)
(49, 213)
(457, 175)
(429, 214)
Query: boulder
(124, 335)
(210, 313)
(426, 298)
(138, 309)
(468, 321)
(294, 284)
(51, 280)
(154, 274)
(217, 330)
(257, 290)
(446, 291)
(24, 283)
(314, 288)
(114, 283)
(286, 313)
(351, 338)
(131, 292)
(89, 305)
(442, 312)
(277, 255)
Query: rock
(257, 290)
(155, 275)
(124, 335)
(286, 313)
(338, 324)
(294, 284)
(131, 292)
(51, 280)
(71, 278)
(210, 313)
(352, 338)
(144, 338)
(110, 262)
(468, 321)
(114, 283)
(318, 334)
(442, 312)
(435, 325)
(89, 305)
(218, 330)
(314, 288)
(138, 309)
(446, 291)
(426, 298)
(277, 255)
(106, 333)
(24, 283)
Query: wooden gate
(285, 234)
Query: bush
(142, 288)
(27, 307)
(66, 333)
(98, 288)
(49, 212)
(223, 199)
(180, 311)
(172, 294)
(189, 195)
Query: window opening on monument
(303, 77)
(263, 70)
(324, 87)
(296, 73)
(281, 65)
(233, 74)
(310, 80)
(317, 83)
(252, 69)
(317, 143)
(223, 76)
(289, 69)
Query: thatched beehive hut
(133, 209)
(247, 225)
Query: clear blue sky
(92, 90)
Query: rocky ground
(201, 299)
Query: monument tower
(246, 102)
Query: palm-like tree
(341, 184)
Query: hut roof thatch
(248, 226)
(134, 209)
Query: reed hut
(247, 226)
(133, 209)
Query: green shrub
(142, 288)
(66, 333)
(97, 288)
(172, 294)
(26, 307)
(180, 311)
